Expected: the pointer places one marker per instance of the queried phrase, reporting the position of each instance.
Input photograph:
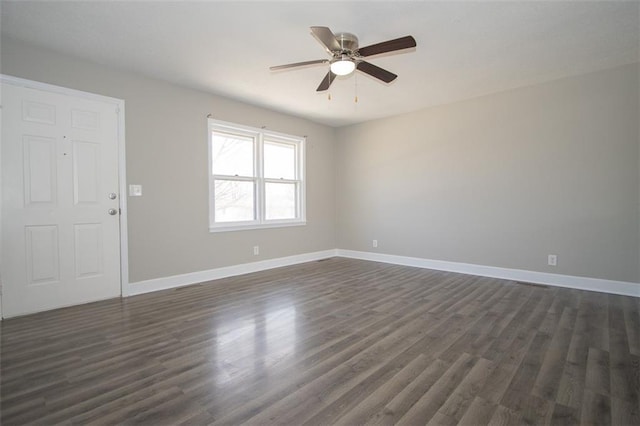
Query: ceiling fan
(346, 56)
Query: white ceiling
(465, 49)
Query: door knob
(112, 195)
(112, 211)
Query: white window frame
(259, 136)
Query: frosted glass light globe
(343, 66)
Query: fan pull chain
(355, 79)
(329, 96)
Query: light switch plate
(135, 190)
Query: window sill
(229, 228)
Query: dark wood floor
(332, 342)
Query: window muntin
(256, 178)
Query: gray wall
(503, 180)
(166, 137)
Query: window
(256, 178)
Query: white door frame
(122, 177)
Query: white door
(60, 200)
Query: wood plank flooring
(339, 341)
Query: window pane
(280, 200)
(232, 155)
(279, 160)
(234, 201)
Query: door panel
(89, 250)
(86, 168)
(60, 245)
(40, 174)
(88, 120)
(42, 254)
(38, 112)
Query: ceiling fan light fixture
(347, 56)
(343, 66)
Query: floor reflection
(280, 333)
(255, 345)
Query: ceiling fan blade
(326, 82)
(298, 64)
(326, 38)
(388, 46)
(377, 72)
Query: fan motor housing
(348, 42)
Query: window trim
(260, 136)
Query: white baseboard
(174, 281)
(557, 280)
